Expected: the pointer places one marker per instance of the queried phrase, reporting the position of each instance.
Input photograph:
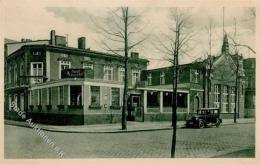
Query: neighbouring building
(57, 84)
(249, 67)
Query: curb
(114, 131)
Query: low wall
(249, 113)
(107, 118)
(57, 118)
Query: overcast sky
(36, 21)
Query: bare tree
(174, 45)
(118, 32)
(210, 28)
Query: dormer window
(149, 79)
(162, 78)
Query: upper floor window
(87, 66)
(15, 74)
(135, 76)
(196, 76)
(10, 75)
(121, 74)
(108, 73)
(162, 78)
(63, 65)
(149, 79)
(36, 72)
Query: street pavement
(22, 142)
(116, 127)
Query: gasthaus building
(57, 84)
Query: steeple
(225, 46)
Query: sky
(36, 20)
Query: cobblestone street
(23, 142)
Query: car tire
(218, 123)
(201, 124)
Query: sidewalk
(116, 128)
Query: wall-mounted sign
(72, 73)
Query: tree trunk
(124, 127)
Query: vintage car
(204, 118)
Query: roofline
(47, 46)
(18, 42)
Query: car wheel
(217, 123)
(201, 124)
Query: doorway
(196, 104)
(134, 108)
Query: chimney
(82, 43)
(134, 55)
(52, 41)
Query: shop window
(49, 96)
(75, 95)
(167, 99)
(61, 95)
(95, 96)
(153, 99)
(182, 100)
(39, 97)
(115, 97)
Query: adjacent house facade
(57, 84)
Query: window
(196, 76)
(10, 102)
(64, 65)
(225, 99)
(75, 95)
(36, 71)
(10, 75)
(15, 74)
(162, 78)
(49, 95)
(87, 66)
(167, 99)
(121, 74)
(135, 76)
(39, 97)
(153, 99)
(216, 95)
(21, 73)
(115, 96)
(108, 73)
(149, 79)
(232, 99)
(95, 95)
(61, 95)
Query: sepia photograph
(128, 81)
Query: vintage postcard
(129, 79)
